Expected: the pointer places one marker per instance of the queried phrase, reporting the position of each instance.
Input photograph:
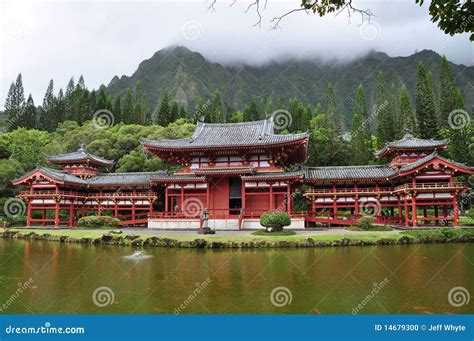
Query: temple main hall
(233, 172)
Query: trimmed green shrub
(273, 234)
(18, 220)
(365, 223)
(96, 221)
(275, 220)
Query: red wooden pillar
(270, 193)
(436, 215)
(83, 210)
(242, 194)
(405, 203)
(399, 203)
(356, 206)
(99, 208)
(71, 214)
(56, 213)
(288, 196)
(28, 214)
(413, 210)
(455, 210)
(166, 198)
(182, 197)
(334, 202)
(208, 186)
(133, 210)
(451, 179)
(115, 208)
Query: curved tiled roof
(55, 174)
(136, 178)
(348, 172)
(79, 155)
(428, 158)
(272, 175)
(101, 179)
(228, 135)
(410, 142)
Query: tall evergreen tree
(425, 107)
(448, 92)
(128, 107)
(117, 110)
(460, 135)
(333, 118)
(251, 111)
(140, 110)
(47, 120)
(15, 103)
(406, 115)
(162, 113)
(385, 109)
(360, 134)
(29, 116)
(217, 114)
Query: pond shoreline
(315, 241)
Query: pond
(50, 277)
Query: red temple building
(235, 172)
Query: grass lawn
(416, 234)
(293, 237)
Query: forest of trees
(63, 122)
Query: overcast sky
(57, 39)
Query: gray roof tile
(348, 172)
(229, 134)
(411, 142)
(79, 155)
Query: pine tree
(47, 120)
(460, 136)
(425, 107)
(117, 110)
(162, 113)
(128, 107)
(448, 92)
(360, 134)
(29, 115)
(140, 110)
(174, 111)
(217, 111)
(251, 111)
(385, 109)
(333, 117)
(406, 116)
(15, 103)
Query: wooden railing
(385, 190)
(108, 196)
(429, 186)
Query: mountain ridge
(187, 75)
